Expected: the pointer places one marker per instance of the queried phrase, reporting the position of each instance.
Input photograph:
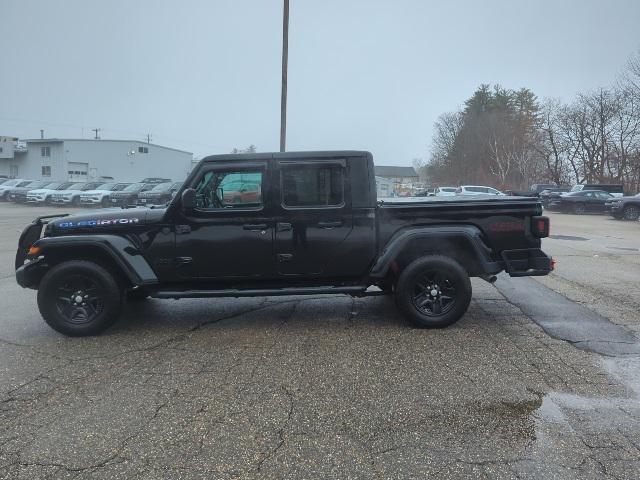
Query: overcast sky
(204, 75)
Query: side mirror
(188, 199)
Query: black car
(585, 201)
(19, 194)
(625, 208)
(293, 223)
(129, 195)
(159, 195)
(550, 193)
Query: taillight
(540, 227)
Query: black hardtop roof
(286, 155)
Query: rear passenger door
(313, 216)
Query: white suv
(102, 194)
(43, 195)
(478, 190)
(444, 192)
(71, 194)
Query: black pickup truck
(290, 223)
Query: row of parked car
(593, 201)
(149, 191)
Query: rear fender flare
(468, 233)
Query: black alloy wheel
(433, 291)
(79, 297)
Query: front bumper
(29, 274)
(90, 201)
(61, 200)
(17, 198)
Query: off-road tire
(446, 278)
(101, 293)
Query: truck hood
(104, 220)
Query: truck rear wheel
(433, 292)
(79, 298)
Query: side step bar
(358, 290)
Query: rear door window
(320, 185)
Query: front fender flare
(119, 249)
(469, 233)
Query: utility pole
(285, 59)
(148, 138)
(96, 130)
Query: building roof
(60, 140)
(394, 171)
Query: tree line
(510, 139)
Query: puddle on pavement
(564, 414)
(568, 237)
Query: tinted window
(161, 187)
(312, 185)
(229, 189)
(476, 189)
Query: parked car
(444, 192)
(520, 193)
(585, 201)
(320, 230)
(6, 187)
(537, 188)
(160, 194)
(155, 180)
(617, 190)
(42, 196)
(477, 190)
(101, 195)
(551, 193)
(19, 194)
(625, 208)
(129, 195)
(71, 194)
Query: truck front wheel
(79, 298)
(433, 292)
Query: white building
(84, 159)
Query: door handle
(283, 227)
(255, 226)
(329, 224)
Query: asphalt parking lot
(334, 387)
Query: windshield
(10, 183)
(134, 187)
(37, 184)
(106, 186)
(161, 188)
(577, 188)
(75, 186)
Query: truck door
(313, 216)
(230, 232)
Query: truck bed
(502, 220)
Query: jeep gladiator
(294, 223)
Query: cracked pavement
(310, 387)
